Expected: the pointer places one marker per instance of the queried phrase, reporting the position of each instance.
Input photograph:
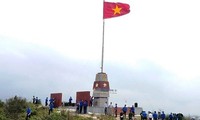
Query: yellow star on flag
(117, 10)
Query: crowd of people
(113, 111)
(130, 113)
(160, 116)
(36, 100)
(48, 102)
(82, 106)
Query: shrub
(14, 107)
(2, 114)
(1, 104)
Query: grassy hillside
(15, 109)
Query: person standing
(110, 109)
(33, 99)
(163, 115)
(77, 107)
(150, 116)
(106, 108)
(51, 100)
(70, 101)
(116, 110)
(121, 115)
(155, 116)
(159, 115)
(85, 105)
(28, 113)
(81, 106)
(46, 101)
(124, 109)
(130, 115)
(170, 116)
(144, 115)
(133, 110)
(51, 108)
(91, 100)
(36, 100)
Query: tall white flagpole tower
(101, 86)
(102, 52)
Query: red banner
(101, 85)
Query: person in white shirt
(150, 116)
(110, 109)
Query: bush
(2, 117)
(14, 107)
(1, 104)
(2, 114)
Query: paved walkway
(73, 110)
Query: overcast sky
(151, 54)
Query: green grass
(15, 109)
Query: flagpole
(102, 54)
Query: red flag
(115, 9)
